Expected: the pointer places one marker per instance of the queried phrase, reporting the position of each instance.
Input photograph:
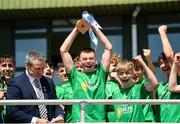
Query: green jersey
(168, 112)
(4, 114)
(127, 112)
(147, 108)
(89, 86)
(64, 91)
(110, 88)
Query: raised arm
(106, 57)
(168, 51)
(64, 50)
(152, 81)
(173, 86)
(147, 54)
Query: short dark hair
(7, 58)
(60, 65)
(51, 65)
(87, 50)
(162, 56)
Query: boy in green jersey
(90, 83)
(171, 90)
(124, 88)
(7, 69)
(170, 112)
(115, 59)
(138, 78)
(64, 91)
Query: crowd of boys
(83, 78)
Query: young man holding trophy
(89, 83)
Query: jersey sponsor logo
(127, 108)
(124, 109)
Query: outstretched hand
(147, 52)
(162, 29)
(139, 59)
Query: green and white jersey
(168, 112)
(127, 112)
(89, 86)
(64, 91)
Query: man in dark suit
(25, 87)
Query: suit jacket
(21, 88)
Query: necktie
(40, 95)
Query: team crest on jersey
(91, 83)
(84, 86)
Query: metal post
(134, 40)
(83, 110)
(134, 31)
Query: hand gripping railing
(84, 102)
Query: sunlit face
(88, 61)
(36, 69)
(125, 76)
(165, 66)
(62, 74)
(48, 71)
(138, 72)
(7, 68)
